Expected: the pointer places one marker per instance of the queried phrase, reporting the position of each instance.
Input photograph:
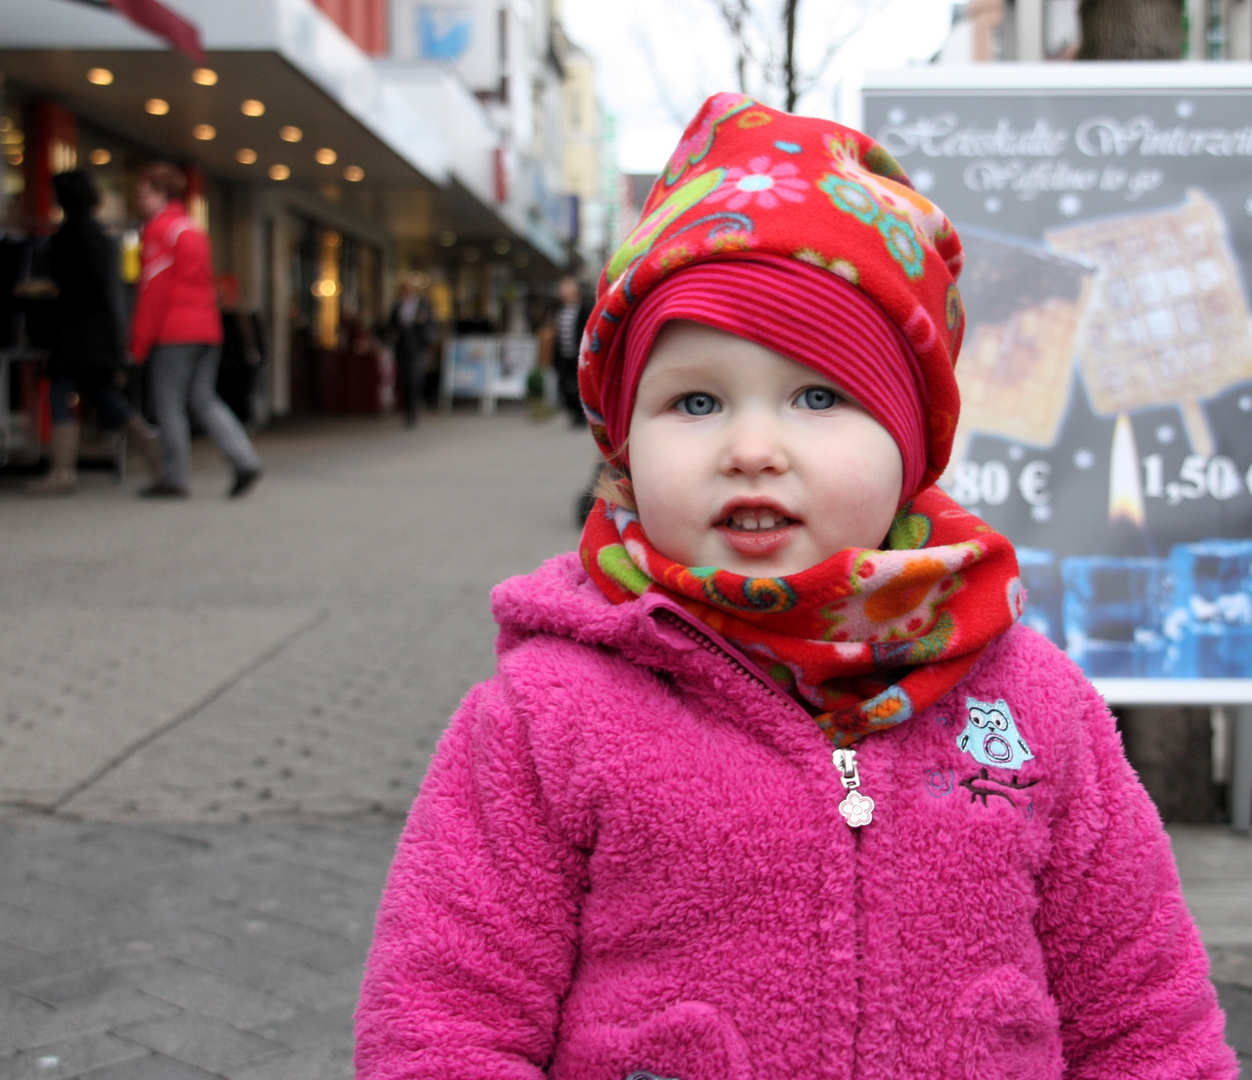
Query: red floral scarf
(864, 640)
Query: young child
(769, 782)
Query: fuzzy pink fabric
(626, 858)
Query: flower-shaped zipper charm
(856, 808)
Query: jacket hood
(560, 599)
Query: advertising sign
(1106, 371)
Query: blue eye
(818, 398)
(697, 404)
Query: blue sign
(444, 33)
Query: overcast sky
(658, 58)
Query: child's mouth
(757, 530)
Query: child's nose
(754, 446)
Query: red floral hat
(749, 181)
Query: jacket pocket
(1004, 1027)
(688, 1041)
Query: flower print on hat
(763, 183)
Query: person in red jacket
(178, 330)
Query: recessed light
(204, 132)
(290, 133)
(501, 246)
(204, 76)
(279, 172)
(245, 156)
(326, 156)
(100, 76)
(157, 106)
(447, 238)
(521, 260)
(100, 156)
(354, 173)
(471, 254)
(252, 107)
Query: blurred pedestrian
(87, 356)
(569, 323)
(243, 352)
(178, 330)
(409, 332)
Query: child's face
(745, 460)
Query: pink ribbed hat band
(799, 311)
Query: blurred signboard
(1106, 371)
(489, 367)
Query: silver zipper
(857, 809)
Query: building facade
(330, 153)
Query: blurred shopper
(243, 352)
(177, 328)
(409, 332)
(570, 322)
(86, 356)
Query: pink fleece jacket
(626, 861)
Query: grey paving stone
(1237, 1001)
(210, 994)
(96, 1013)
(273, 931)
(290, 979)
(69, 1058)
(151, 1067)
(321, 1029)
(19, 964)
(319, 1064)
(201, 1041)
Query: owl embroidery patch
(991, 735)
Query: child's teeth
(754, 521)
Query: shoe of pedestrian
(54, 482)
(62, 477)
(162, 490)
(244, 479)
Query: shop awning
(157, 19)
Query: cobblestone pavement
(215, 713)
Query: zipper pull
(856, 808)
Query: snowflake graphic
(1083, 459)
(1041, 515)
(1165, 434)
(764, 182)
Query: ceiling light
(501, 246)
(100, 76)
(100, 156)
(354, 173)
(472, 254)
(290, 133)
(521, 260)
(157, 106)
(204, 76)
(447, 238)
(279, 172)
(245, 156)
(252, 107)
(204, 132)
(326, 156)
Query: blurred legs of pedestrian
(114, 413)
(413, 380)
(184, 377)
(570, 397)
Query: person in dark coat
(409, 331)
(87, 349)
(570, 321)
